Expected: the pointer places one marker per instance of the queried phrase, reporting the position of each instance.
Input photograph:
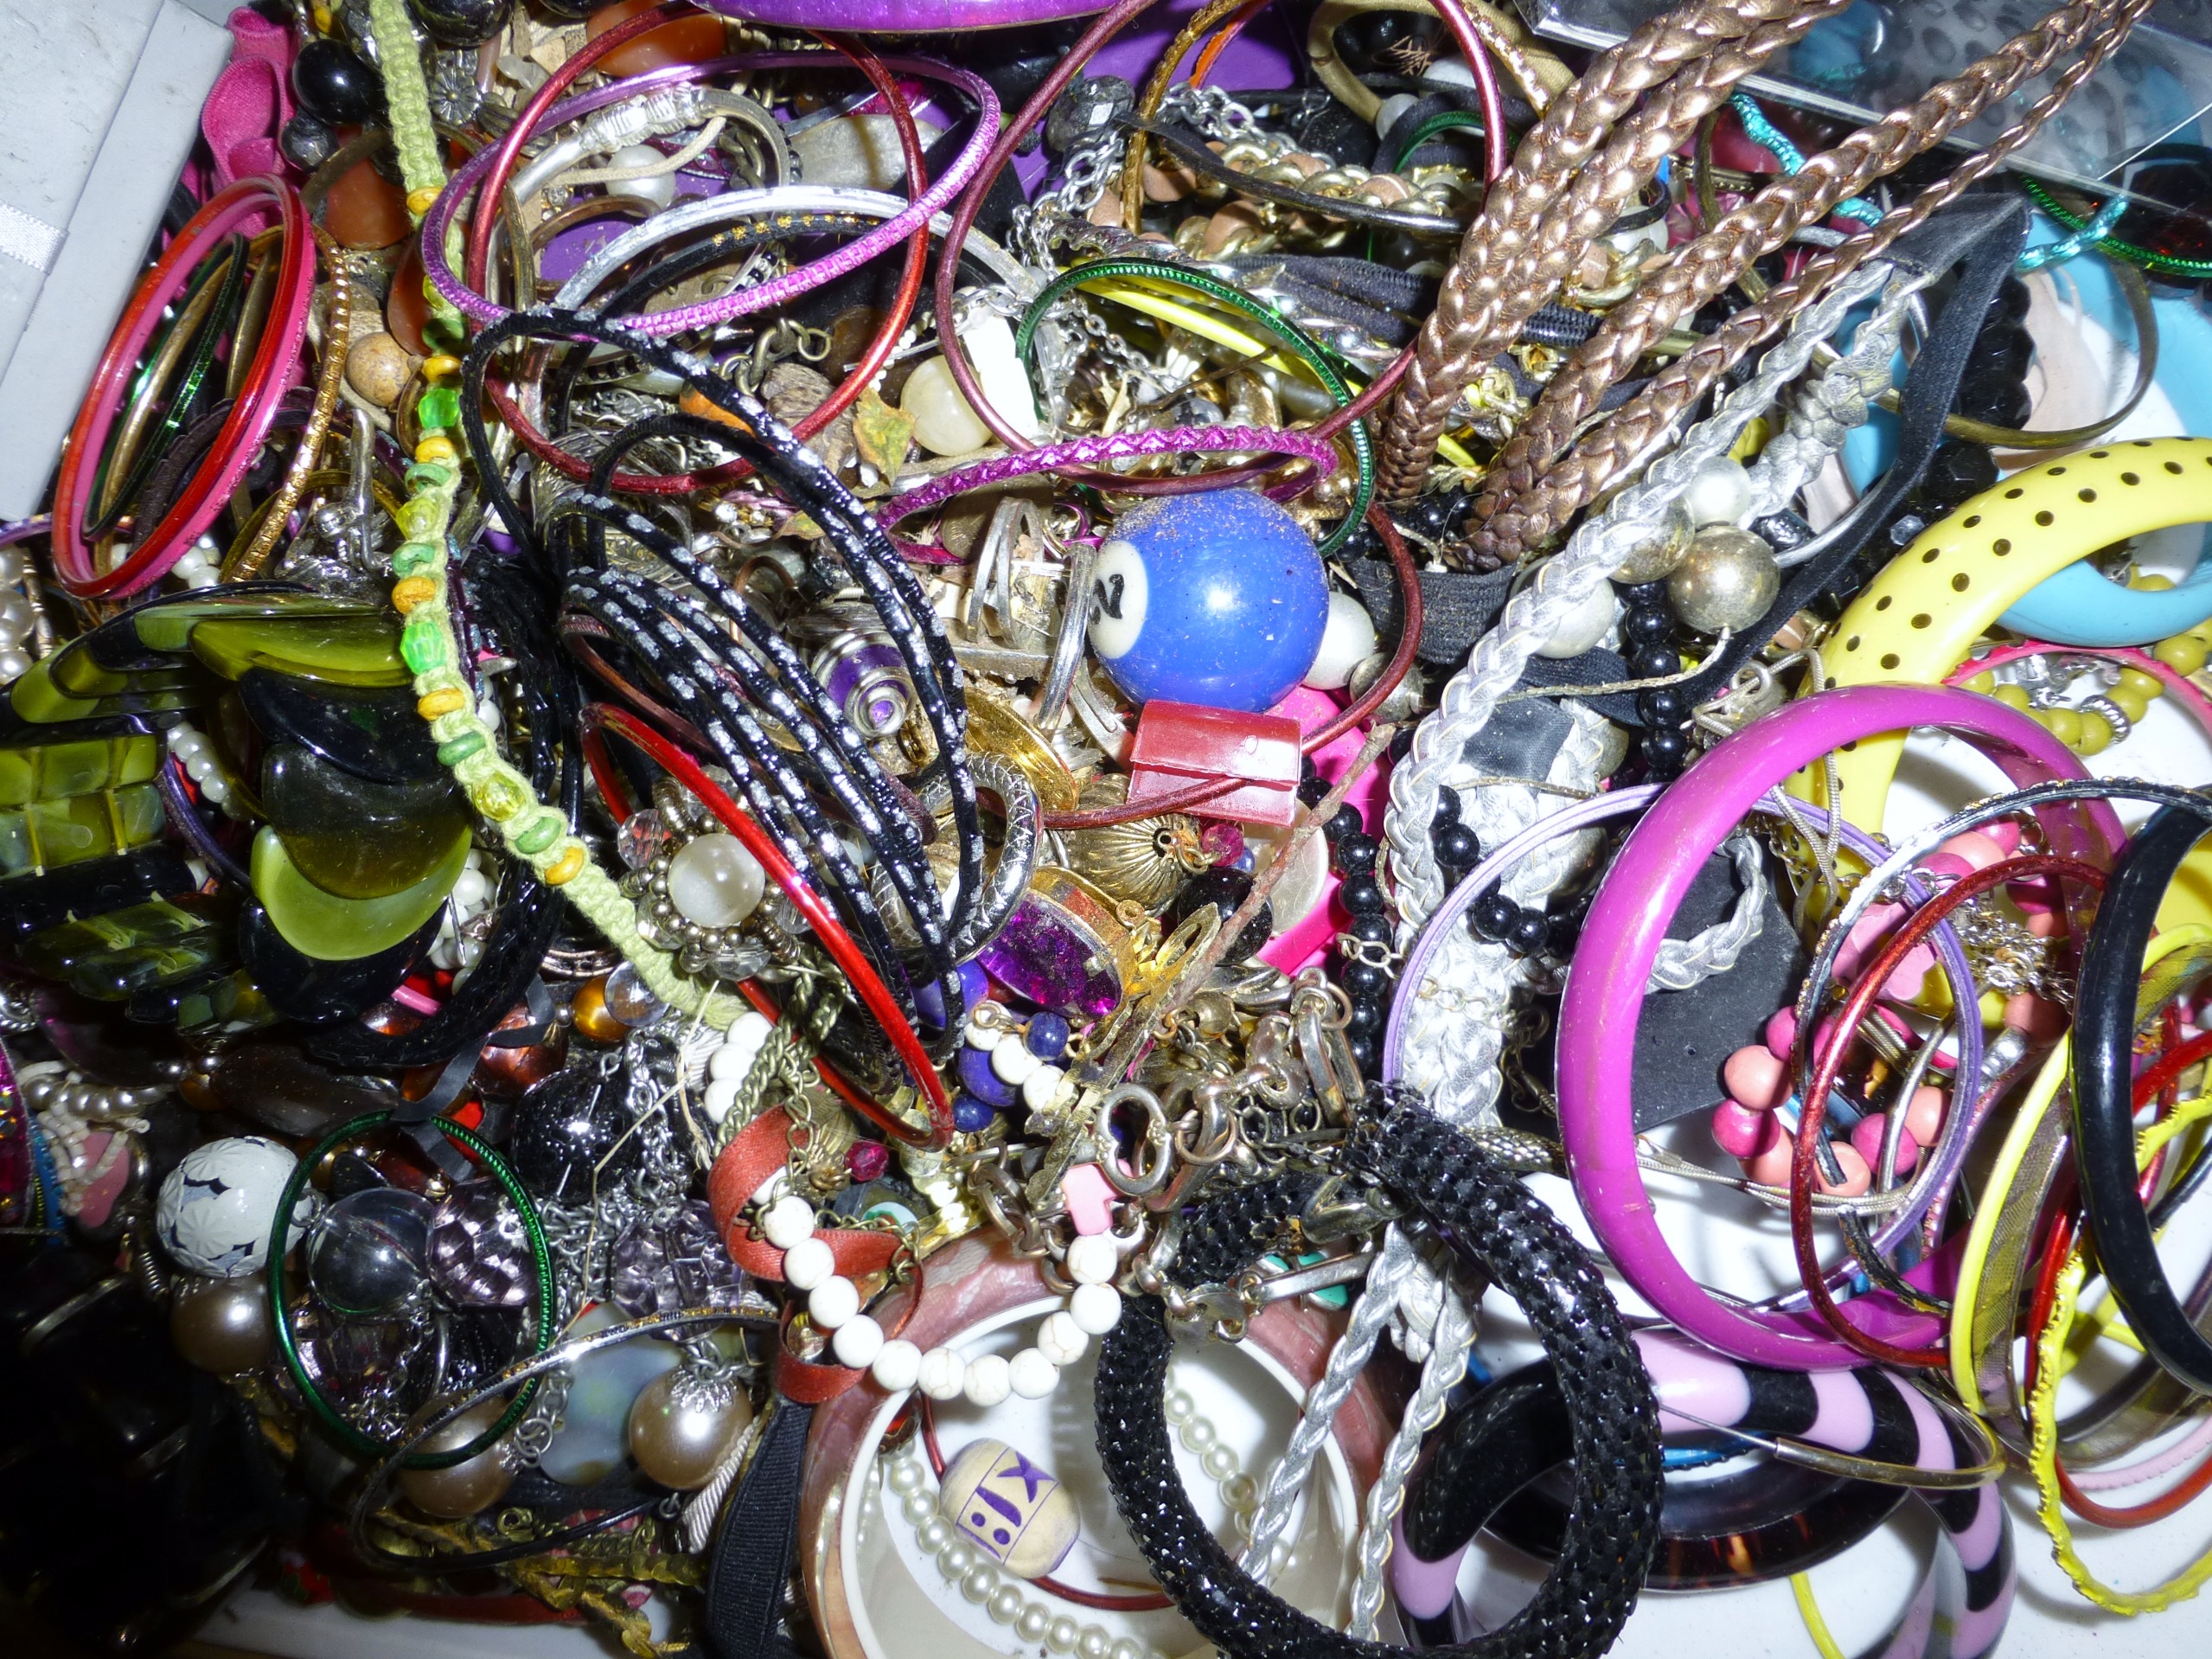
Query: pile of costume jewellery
(1033, 834)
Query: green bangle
(1443, 121)
(1300, 344)
(2161, 265)
(352, 1440)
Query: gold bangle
(244, 563)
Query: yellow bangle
(2042, 1452)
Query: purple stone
(1039, 956)
(980, 1080)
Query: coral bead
(1754, 1077)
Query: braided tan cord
(1542, 511)
(1706, 267)
(1571, 179)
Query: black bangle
(2105, 1022)
(1517, 1245)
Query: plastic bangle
(2104, 1063)
(1621, 937)
(1920, 617)
(237, 445)
(364, 1445)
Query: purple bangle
(1621, 937)
(1932, 1187)
(849, 256)
(1092, 451)
(903, 17)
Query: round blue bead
(1047, 1036)
(979, 1079)
(928, 1002)
(969, 1114)
(1218, 600)
(974, 986)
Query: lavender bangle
(1092, 451)
(903, 17)
(1931, 1185)
(848, 257)
(1605, 991)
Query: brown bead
(453, 1494)
(850, 330)
(507, 1071)
(222, 1325)
(378, 367)
(364, 208)
(593, 1017)
(407, 308)
(688, 40)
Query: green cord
(1443, 121)
(361, 1445)
(1308, 350)
(2161, 265)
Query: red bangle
(159, 547)
(875, 995)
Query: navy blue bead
(1048, 1035)
(977, 1077)
(969, 1114)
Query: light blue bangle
(2078, 607)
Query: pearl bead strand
(1093, 1309)
(201, 762)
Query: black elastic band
(751, 1564)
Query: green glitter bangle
(2160, 265)
(1302, 345)
(351, 1438)
(1443, 121)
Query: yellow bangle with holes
(1921, 617)
(2042, 1453)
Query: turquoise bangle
(2078, 607)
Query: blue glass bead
(1047, 1036)
(928, 1002)
(974, 986)
(1217, 600)
(980, 1080)
(969, 1114)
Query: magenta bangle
(848, 257)
(902, 17)
(158, 547)
(1621, 937)
(1093, 451)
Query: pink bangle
(1092, 451)
(2183, 688)
(159, 547)
(1622, 938)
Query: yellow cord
(1800, 1586)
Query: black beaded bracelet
(1520, 1246)
(2105, 1022)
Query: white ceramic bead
(216, 789)
(659, 190)
(833, 1302)
(714, 881)
(808, 1263)
(858, 1341)
(1011, 1061)
(1032, 1375)
(721, 1098)
(1393, 106)
(1719, 493)
(789, 1219)
(1347, 640)
(978, 1034)
(1583, 627)
(897, 1367)
(942, 1374)
(1043, 1088)
(1092, 1259)
(1096, 1307)
(1060, 1339)
(989, 1380)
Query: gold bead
(567, 868)
(682, 1425)
(2182, 654)
(437, 449)
(443, 700)
(420, 201)
(442, 367)
(1726, 580)
(593, 1017)
(2096, 734)
(415, 590)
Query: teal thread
(1775, 141)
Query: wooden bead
(378, 367)
(1019, 1515)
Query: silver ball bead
(1656, 556)
(1719, 493)
(1729, 580)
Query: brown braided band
(1708, 265)
(1554, 201)
(1538, 513)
